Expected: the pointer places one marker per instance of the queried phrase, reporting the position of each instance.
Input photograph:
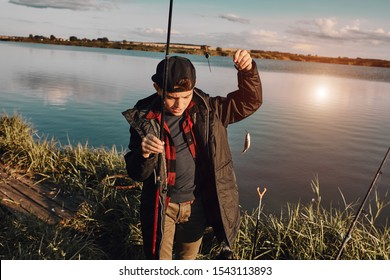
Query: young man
(198, 186)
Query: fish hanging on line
(247, 143)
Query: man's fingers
(242, 60)
(239, 54)
(151, 144)
(246, 62)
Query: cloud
(326, 26)
(302, 47)
(154, 32)
(75, 5)
(264, 36)
(327, 29)
(234, 18)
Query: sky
(345, 28)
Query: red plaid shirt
(170, 150)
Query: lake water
(317, 119)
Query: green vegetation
(107, 225)
(193, 49)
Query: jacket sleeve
(138, 168)
(243, 102)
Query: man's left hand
(243, 60)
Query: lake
(330, 121)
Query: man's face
(177, 102)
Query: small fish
(247, 143)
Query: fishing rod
(164, 89)
(165, 75)
(161, 184)
(374, 180)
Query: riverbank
(106, 224)
(192, 49)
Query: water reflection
(57, 97)
(58, 77)
(51, 90)
(321, 94)
(60, 89)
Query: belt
(186, 202)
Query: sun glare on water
(321, 93)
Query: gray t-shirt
(185, 163)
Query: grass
(107, 224)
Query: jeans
(183, 230)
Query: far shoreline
(192, 49)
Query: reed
(107, 224)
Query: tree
(104, 39)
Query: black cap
(178, 68)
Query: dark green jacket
(214, 167)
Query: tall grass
(312, 232)
(107, 224)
